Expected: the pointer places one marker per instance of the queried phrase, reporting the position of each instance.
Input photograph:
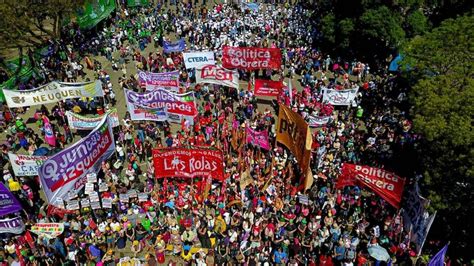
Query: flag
(438, 259)
(48, 132)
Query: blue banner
(169, 47)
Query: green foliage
(346, 28)
(384, 25)
(441, 65)
(29, 23)
(328, 28)
(417, 23)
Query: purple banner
(12, 226)
(66, 171)
(258, 138)
(157, 80)
(8, 202)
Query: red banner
(180, 162)
(267, 87)
(386, 184)
(251, 58)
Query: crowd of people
(268, 221)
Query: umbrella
(42, 151)
(379, 253)
(169, 204)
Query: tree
(381, 25)
(441, 67)
(416, 23)
(30, 23)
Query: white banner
(26, 165)
(217, 75)
(53, 92)
(339, 97)
(76, 121)
(12, 226)
(318, 121)
(198, 59)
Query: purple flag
(8, 202)
(438, 259)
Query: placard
(91, 178)
(85, 203)
(103, 187)
(142, 197)
(123, 197)
(132, 193)
(72, 195)
(89, 188)
(94, 197)
(107, 203)
(303, 199)
(73, 205)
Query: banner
(48, 230)
(169, 47)
(191, 163)
(251, 58)
(8, 202)
(12, 226)
(26, 165)
(269, 88)
(250, 6)
(160, 105)
(53, 92)
(217, 75)
(198, 59)
(258, 138)
(415, 216)
(339, 97)
(318, 121)
(294, 133)
(159, 80)
(386, 184)
(49, 136)
(80, 122)
(94, 12)
(66, 172)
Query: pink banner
(48, 132)
(258, 138)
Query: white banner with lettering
(26, 165)
(217, 75)
(53, 92)
(198, 59)
(339, 97)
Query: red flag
(29, 239)
(267, 87)
(92, 224)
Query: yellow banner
(294, 133)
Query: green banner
(25, 74)
(94, 12)
(134, 3)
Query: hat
(135, 242)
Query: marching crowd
(265, 221)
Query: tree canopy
(440, 65)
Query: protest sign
(48, 230)
(95, 205)
(103, 187)
(157, 104)
(89, 188)
(8, 202)
(94, 196)
(180, 162)
(251, 58)
(91, 178)
(123, 198)
(198, 59)
(318, 121)
(49, 135)
(107, 203)
(85, 203)
(159, 80)
(132, 193)
(72, 205)
(52, 92)
(66, 171)
(268, 88)
(339, 97)
(12, 226)
(80, 122)
(142, 197)
(213, 74)
(303, 199)
(26, 165)
(294, 133)
(386, 184)
(258, 138)
(170, 47)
